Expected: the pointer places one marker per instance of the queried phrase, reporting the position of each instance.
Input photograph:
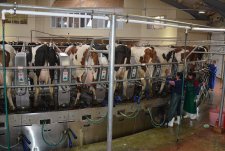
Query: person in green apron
(191, 87)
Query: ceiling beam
(193, 13)
(218, 6)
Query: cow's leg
(9, 90)
(92, 89)
(9, 96)
(125, 83)
(114, 87)
(37, 90)
(141, 74)
(78, 96)
(163, 74)
(51, 89)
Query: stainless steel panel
(51, 133)
(65, 77)
(63, 97)
(22, 94)
(100, 93)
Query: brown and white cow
(146, 55)
(9, 62)
(80, 56)
(179, 54)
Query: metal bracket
(14, 8)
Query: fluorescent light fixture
(201, 12)
(208, 29)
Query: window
(70, 22)
(76, 22)
(16, 19)
(157, 26)
(64, 22)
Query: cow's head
(149, 55)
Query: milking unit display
(62, 126)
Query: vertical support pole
(222, 100)
(5, 89)
(184, 73)
(111, 82)
(222, 69)
(31, 36)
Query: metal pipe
(80, 67)
(11, 11)
(97, 12)
(222, 67)
(81, 83)
(153, 23)
(99, 51)
(222, 100)
(162, 20)
(47, 8)
(49, 34)
(111, 82)
(183, 78)
(208, 29)
(31, 36)
(5, 87)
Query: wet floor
(192, 135)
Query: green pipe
(5, 89)
(182, 94)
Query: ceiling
(210, 7)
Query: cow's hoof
(12, 108)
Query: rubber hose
(74, 135)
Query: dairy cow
(42, 55)
(9, 62)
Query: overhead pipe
(208, 29)
(152, 23)
(11, 11)
(93, 12)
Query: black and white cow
(42, 55)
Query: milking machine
(64, 78)
(132, 74)
(21, 79)
(102, 76)
(156, 83)
(37, 132)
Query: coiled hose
(61, 140)
(97, 121)
(152, 120)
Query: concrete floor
(193, 136)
